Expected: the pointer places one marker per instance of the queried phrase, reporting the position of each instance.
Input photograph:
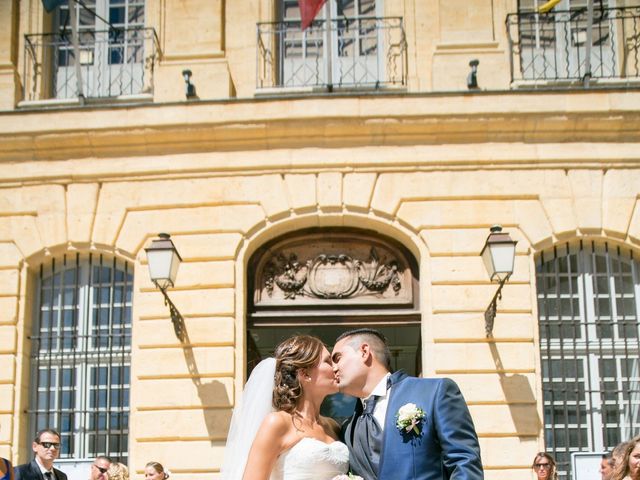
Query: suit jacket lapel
(390, 422)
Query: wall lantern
(498, 254)
(163, 259)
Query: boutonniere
(347, 476)
(409, 418)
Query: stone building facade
(417, 168)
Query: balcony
(359, 53)
(112, 64)
(553, 49)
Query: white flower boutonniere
(347, 476)
(409, 418)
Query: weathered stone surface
(184, 393)
(186, 363)
(478, 358)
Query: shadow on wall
(213, 395)
(520, 398)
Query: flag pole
(329, 52)
(76, 49)
(587, 64)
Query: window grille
(588, 302)
(80, 358)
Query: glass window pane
(588, 348)
(84, 375)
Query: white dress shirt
(380, 410)
(44, 470)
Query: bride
(277, 432)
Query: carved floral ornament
(317, 273)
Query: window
(116, 53)
(350, 43)
(111, 56)
(554, 45)
(325, 281)
(80, 356)
(589, 301)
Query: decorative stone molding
(344, 268)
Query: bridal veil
(254, 405)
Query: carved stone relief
(343, 268)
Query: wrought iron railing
(559, 47)
(364, 52)
(112, 63)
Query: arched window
(588, 302)
(325, 281)
(80, 355)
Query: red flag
(308, 11)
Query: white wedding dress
(309, 459)
(312, 459)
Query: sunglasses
(542, 465)
(102, 470)
(48, 445)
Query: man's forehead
(339, 346)
(49, 437)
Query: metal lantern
(164, 261)
(498, 254)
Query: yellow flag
(548, 6)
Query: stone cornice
(233, 129)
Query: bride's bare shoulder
(277, 420)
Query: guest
(118, 471)
(155, 471)
(606, 466)
(99, 468)
(544, 466)
(46, 448)
(628, 465)
(6, 470)
(617, 454)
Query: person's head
(544, 466)
(99, 468)
(155, 471)
(46, 447)
(606, 466)
(628, 464)
(118, 471)
(303, 366)
(617, 454)
(361, 358)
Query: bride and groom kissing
(402, 428)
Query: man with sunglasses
(99, 468)
(46, 447)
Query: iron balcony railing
(554, 47)
(363, 52)
(112, 63)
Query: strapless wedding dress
(312, 459)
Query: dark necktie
(368, 441)
(48, 476)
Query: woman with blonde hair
(118, 471)
(277, 431)
(628, 465)
(155, 471)
(544, 466)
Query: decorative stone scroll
(337, 268)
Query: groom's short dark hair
(376, 341)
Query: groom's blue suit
(446, 447)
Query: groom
(403, 427)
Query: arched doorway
(324, 281)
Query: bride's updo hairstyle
(293, 354)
